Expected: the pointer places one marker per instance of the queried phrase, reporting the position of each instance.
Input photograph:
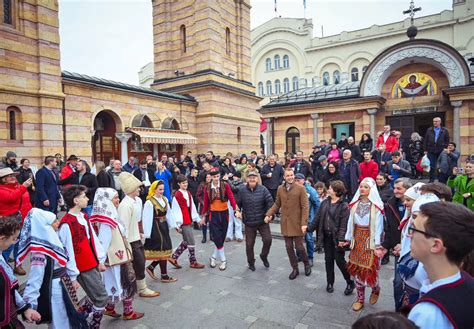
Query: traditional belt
(59, 273)
(161, 219)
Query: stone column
(456, 133)
(315, 117)
(155, 150)
(372, 113)
(268, 145)
(123, 138)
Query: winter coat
(276, 180)
(302, 167)
(460, 185)
(88, 180)
(366, 145)
(165, 176)
(391, 145)
(392, 235)
(351, 179)
(14, 198)
(46, 189)
(385, 192)
(334, 155)
(429, 144)
(254, 204)
(227, 170)
(368, 169)
(415, 152)
(319, 175)
(294, 208)
(379, 157)
(340, 222)
(314, 202)
(328, 177)
(356, 153)
(447, 162)
(405, 169)
(24, 175)
(103, 180)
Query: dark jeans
(251, 235)
(138, 261)
(443, 178)
(331, 254)
(397, 287)
(292, 242)
(433, 157)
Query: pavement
(239, 298)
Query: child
(158, 246)
(130, 215)
(11, 302)
(183, 213)
(234, 222)
(322, 191)
(49, 289)
(86, 255)
(119, 278)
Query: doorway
(105, 145)
(342, 128)
(409, 124)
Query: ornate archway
(105, 145)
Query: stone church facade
(202, 98)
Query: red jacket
(391, 145)
(66, 172)
(10, 196)
(369, 169)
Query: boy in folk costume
(11, 302)
(183, 214)
(364, 232)
(216, 198)
(119, 278)
(158, 246)
(49, 289)
(130, 215)
(86, 255)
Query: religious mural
(414, 85)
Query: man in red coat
(368, 168)
(389, 139)
(69, 168)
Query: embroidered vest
(84, 250)
(185, 210)
(158, 210)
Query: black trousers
(251, 235)
(333, 253)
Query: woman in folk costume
(158, 247)
(119, 277)
(411, 271)
(364, 232)
(49, 289)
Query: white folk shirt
(385, 137)
(149, 212)
(354, 218)
(428, 315)
(175, 211)
(129, 214)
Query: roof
(317, 94)
(124, 86)
(163, 136)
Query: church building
(202, 97)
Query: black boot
(252, 266)
(204, 240)
(350, 288)
(307, 269)
(330, 288)
(294, 274)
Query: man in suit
(146, 175)
(435, 141)
(47, 192)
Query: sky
(113, 39)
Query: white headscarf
(37, 235)
(422, 200)
(414, 191)
(374, 196)
(104, 210)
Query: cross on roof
(411, 11)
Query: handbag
(120, 250)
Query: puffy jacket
(254, 204)
(391, 145)
(14, 198)
(369, 169)
(276, 180)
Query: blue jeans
(309, 244)
(397, 287)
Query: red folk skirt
(363, 265)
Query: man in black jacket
(254, 201)
(321, 171)
(272, 175)
(82, 177)
(145, 175)
(435, 141)
(355, 149)
(302, 166)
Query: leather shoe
(19, 270)
(204, 240)
(252, 267)
(330, 288)
(265, 261)
(174, 262)
(307, 269)
(374, 297)
(196, 265)
(294, 274)
(357, 306)
(349, 289)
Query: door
(342, 128)
(405, 124)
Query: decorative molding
(315, 116)
(123, 137)
(456, 104)
(372, 111)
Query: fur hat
(128, 182)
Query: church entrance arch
(105, 145)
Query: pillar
(123, 138)
(456, 123)
(372, 113)
(315, 117)
(268, 145)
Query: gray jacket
(447, 161)
(405, 168)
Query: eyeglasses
(412, 229)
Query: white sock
(214, 254)
(221, 254)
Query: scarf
(103, 210)
(151, 190)
(37, 235)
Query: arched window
(170, 124)
(14, 123)
(326, 79)
(183, 38)
(277, 87)
(295, 83)
(355, 74)
(239, 134)
(277, 62)
(286, 61)
(268, 64)
(336, 77)
(260, 89)
(364, 69)
(269, 88)
(142, 121)
(286, 85)
(292, 140)
(8, 12)
(227, 41)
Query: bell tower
(202, 48)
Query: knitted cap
(128, 182)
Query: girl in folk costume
(49, 289)
(183, 214)
(364, 232)
(158, 247)
(11, 302)
(119, 277)
(216, 199)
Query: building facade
(46, 111)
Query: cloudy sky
(113, 39)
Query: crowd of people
(114, 223)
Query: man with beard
(9, 161)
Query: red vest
(184, 206)
(84, 250)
